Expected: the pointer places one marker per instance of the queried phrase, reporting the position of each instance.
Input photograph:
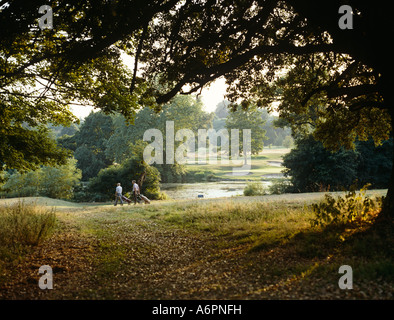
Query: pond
(206, 189)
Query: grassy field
(238, 248)
(263, 166)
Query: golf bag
(125, 199)
(141, 197)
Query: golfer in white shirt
(118, 194)
(136, 191)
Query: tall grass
(23, 225)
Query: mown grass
(259, 166)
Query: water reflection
(205, 189)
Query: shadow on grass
(369, 247)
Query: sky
(214, 94)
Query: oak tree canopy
(292, 52)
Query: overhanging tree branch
(137, 56)
(204, 75)
(351, 92)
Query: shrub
(102, 187)
(312, 168)
(54, 182)
(344, 209)
(280, 186)
(81, 193)
(199, 176)
(254, 189)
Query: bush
(54, 182)
(194, 176)
(280, 186)
(81, 193)
(254, 189)
(311, 167)
(199, 176)
(345, 209)
(23, 225)
(22, 185)
(102, 187)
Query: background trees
(248, 119)
(275, 132)
(91, 141)
(55, 182)
(311, 167)
(102, 187)
(185, 111)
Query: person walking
(136, 191)
(118, 195)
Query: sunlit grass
(249, 222)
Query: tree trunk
(387, 213)
(388, 204)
